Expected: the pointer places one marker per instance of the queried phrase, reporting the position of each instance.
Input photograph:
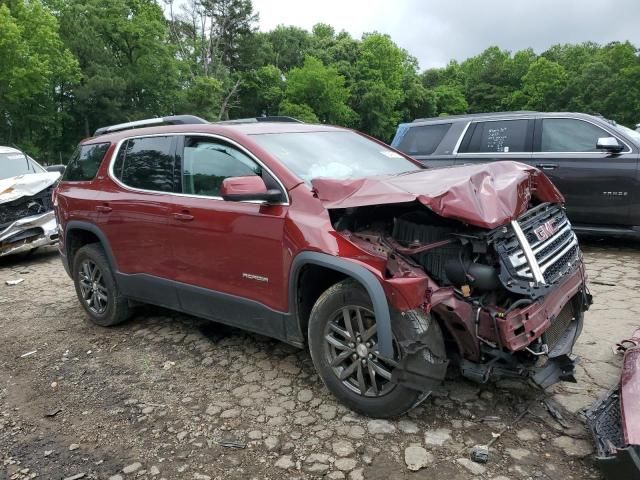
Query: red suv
(322, 236)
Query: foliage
(70, 66)
(34, 71)
(321, 89)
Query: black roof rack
(275, 118)
(171, 120)
(475, 115)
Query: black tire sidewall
(95, 253)
(392, 404)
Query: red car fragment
(615, 419)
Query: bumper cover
(28, 233)
(614, 420)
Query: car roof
(500, 115)
(223, 129)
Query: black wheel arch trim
(90, 227)
(366, 278)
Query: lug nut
(352, 345)
(364, 362)
(371, 356)
(368, 344)
(354, 356)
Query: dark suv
(593, 161)
(322, 236)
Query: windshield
(336, 155)
(14, 164)
(635, 136)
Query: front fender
(366, 278)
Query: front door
(599, 187)
(229, 256)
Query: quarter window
(502, 136)
(208, 162)
(423, 140)
(85, 162)
(147, 163)
(569, 135)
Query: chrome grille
(546, 239)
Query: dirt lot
(159, 396)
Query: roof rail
(475, 115)
(275, 118)
(171, 120)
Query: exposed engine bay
(505, 297)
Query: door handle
(182, 216)
(547, 166)
(104, 208)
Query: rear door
(496, 140)
(431, 144)
(134, 212)
(599, 186)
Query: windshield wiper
(26, 158)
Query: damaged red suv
(321, 236)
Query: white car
(27, 220)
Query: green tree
(129, 69)
(322, 89)
(450, 100)
(35, 71)
(544, 85)
(290, 46)
(378, 91)
(262, 91)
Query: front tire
(96, 287)
(342, 341)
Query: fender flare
(90, 227)
(366, 278)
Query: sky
(436, 31)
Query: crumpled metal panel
(46, 222)
(14, 188)
(487, 195)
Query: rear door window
(85, 162)
(570, 135)
(501, 136)
(423, 140)
(147, 163)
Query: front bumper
(28, 233)
(520, 327)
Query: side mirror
(610, 144)
(56, 168)
(250, 188)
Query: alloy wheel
(351, 349)
(92, 287)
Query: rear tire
(343, 345)
(96, 287)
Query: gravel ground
(160, 397)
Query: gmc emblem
(546, 230)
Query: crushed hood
(487, 195)
(14, 188)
